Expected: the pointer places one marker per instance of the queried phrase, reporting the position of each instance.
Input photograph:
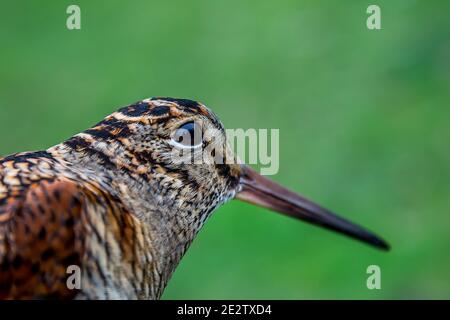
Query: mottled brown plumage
(112, 201)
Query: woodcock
(113, 202)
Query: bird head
(179, 149)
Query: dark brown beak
(263, 192)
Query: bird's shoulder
(43, 221)
(40, 236)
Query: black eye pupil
(188, 134)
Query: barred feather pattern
(110, 201)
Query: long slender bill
(263, 192)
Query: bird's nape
(263, 192)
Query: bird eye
(188, 135)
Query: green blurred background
(363, 118)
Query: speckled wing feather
(56, 223)
(40, 236)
